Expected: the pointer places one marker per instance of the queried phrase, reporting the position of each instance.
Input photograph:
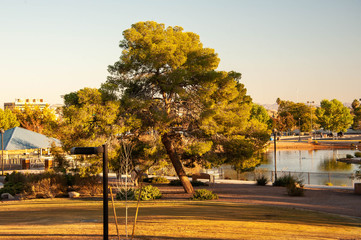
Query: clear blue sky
(296, 50)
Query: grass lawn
(82, 219)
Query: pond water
(315, 161)
(317, 167)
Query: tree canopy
(291, 114)
(43, 121)
(8, 119)
(167, 80)
(334, 116)
(356, 113)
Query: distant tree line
(330, 115)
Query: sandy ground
(336, 201)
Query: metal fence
(310, 178)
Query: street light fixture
(2, 150)
(95, 150)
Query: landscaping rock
(73, 194)
(7, 196)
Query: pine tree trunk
(177, 164)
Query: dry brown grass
(82, 219)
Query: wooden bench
(207, 176)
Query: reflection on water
(315, 167)
(309, 161)
(331, 165)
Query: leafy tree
(259, 113)
(42, 121)
(333, 116)
(356, 113)
(8, 119)
(87, 121)
(292, 114)
(166, 79)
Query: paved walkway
(337, 201)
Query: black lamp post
(95, 150)
(275, 151)
(2, 150)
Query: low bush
(148, 192)
(349, 156)
(358, 154)
(88, 185)
(284, 181)
(262, 180)
(49, 184)
(295, 189)
(12, 188)
(204, 194)
(123, 192)
(158, 180)
(196, 183)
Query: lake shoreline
(289, 145)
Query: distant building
(20, 104)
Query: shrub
(197, 183)
(49, 184)
(295, 189)
(178, 182)
(204, 194)
(12, 188)
(262, 180)
(329, 184)
(175, 182)
(358, 154)
(147, 180)
(125, 192)
(349, 156)
(157, 180)
(88, 185)
(148, 192)
(284, 181)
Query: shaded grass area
(82, 219)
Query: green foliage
(358, 154)
(49, 184)
(12, 188)
(157, 180)
(42, 121)
(262, 180)
(349, 156)
(356, 113)
(167, 80)
(291, 115)
(295, 189)
(293, 185)
(285, 180)
(126, 194)
(8, 119)
(333, 116)
(178, 182)
(148, 192)
(204, 194)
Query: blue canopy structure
(18, 138)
